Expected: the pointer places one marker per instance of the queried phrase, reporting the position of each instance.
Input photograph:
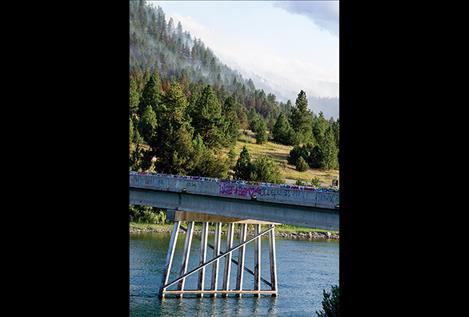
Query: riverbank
(282, 231)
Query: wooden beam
(273, 261)
(169, 257)
(203, 256)
(229, 245)
(216, 252)
(186, 254)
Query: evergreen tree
(260, 129)
(131, 130)
(330, 303)
(147, 124)
(296, 153)
(205, 162)
(207, 118)
(151, 95)
(282, 132)
(242, 117)
(329, 151)
(136, 152)
(243, 165)
(320, 126)
(231, 120)
(134, 97)
(315, 157)
(301, 119)
(253, 116)
(173, 144)
(265, 170)
(231, 158)
(335, 128)
(301, 165)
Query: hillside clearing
(279, 153)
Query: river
(304, 269)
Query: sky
(292, 45)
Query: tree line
(185, 107)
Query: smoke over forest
(157, 43)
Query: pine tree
(173, 144)
(231, 129)
(134, 97)
(147, 124)
(336, 128)
(282, 132)
(231, 158)
(151, 95)
(298, 152)
(243, 165)
(207, 118)
(330, 303)
(205, 162)
(301, 119)
(261, 132)
(265, 170)
(320, 126)
(301, 165)
(131, 130)
(329, 151)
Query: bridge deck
(280, 194)
(295, 205)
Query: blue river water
(304, 269)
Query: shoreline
(285, 234)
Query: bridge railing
(287, 194)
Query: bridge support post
(227, 271)
(257, 260)
(169, 257)
(273, 261)
(203, 257)
(239, 277)
(216, 252)
(186, 254)
(213, 291)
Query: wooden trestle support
(218, 254)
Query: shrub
(315, 182)
(265, 170)
(301, 164)
(296, 153)
(300, 183)
(145, 214)
(330, 303)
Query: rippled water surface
(304, 269)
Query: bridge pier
(192, 218)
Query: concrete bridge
(295, 205)
(208, 200)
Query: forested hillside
(187, 108)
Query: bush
(145, 214)
(315, 182)
(301, 164)
(261, 136)
(265, 170)
(296, 153)
(330, 303)
(300, 183)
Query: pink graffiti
(242, 191)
